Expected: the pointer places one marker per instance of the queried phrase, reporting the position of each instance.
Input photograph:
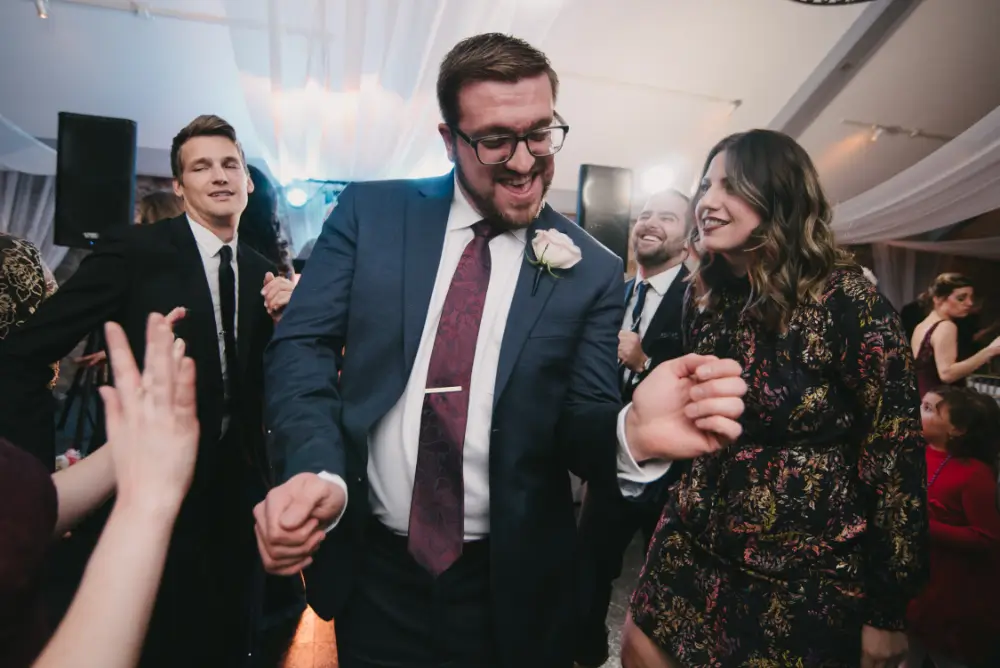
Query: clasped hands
(685, 408)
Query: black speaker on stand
(604, 206)
(95, 192)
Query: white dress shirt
(658, 286)
(209, 247)
(394, 440)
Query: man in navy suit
(447, 357)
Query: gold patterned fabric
(25, 282)
(775, 551)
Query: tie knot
(484, 229)
(226, 254)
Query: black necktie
(227, 301)
(624, 373)
(640, 301)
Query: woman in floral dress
(801, 543)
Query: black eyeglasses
(499, 148)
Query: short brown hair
(488, 57)
(206, 125)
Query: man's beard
(489, 211)
(659, 257)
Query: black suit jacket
(663, 339)
(133, 272)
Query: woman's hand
(151, 419)
(881, 648)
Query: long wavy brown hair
(792, 253)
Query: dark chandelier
(830, 2)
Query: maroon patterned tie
(437, 510)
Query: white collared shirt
(209, 246)
(394, 440)
(658, 286)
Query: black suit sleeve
(92, 296)
(588, 426)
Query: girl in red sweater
(956, 619)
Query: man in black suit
(194, 261)
(651, 334)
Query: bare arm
(153, 441)
(108, 618)
(81, 488)
(945, 343)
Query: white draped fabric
(27, 211)
(20, 152)
(904, 273)
(28, 190)
(345, 89)
(986, 248)
(959, 181)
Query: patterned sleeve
(878, 367)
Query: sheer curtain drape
(28, 209)
(28, 190)
(903, 273)
(345, 89)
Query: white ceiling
(646, 83)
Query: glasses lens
(495, 150)
(546, 142)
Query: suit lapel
(250, 284)
(629, 286)
(200, 319)
(525, 307)
(425, 221)
(668, 313)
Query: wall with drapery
(27, 190)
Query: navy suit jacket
(367, 288)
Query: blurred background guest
(956, 619)
(25, 283)
(159, 205)
(260, 225)
(935, 339)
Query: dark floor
(313, 644)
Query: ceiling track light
(878, 130)
(42, 7)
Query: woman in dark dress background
(802, 543)
(935, 339)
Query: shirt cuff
(336, 480)
(632, 476)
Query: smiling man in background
(650, 334)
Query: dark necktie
(227, 301)
(624, 373)
(437, 509)
(640, 302)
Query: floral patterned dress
(25, 282)
(775, 551)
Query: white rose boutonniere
(553, 250)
